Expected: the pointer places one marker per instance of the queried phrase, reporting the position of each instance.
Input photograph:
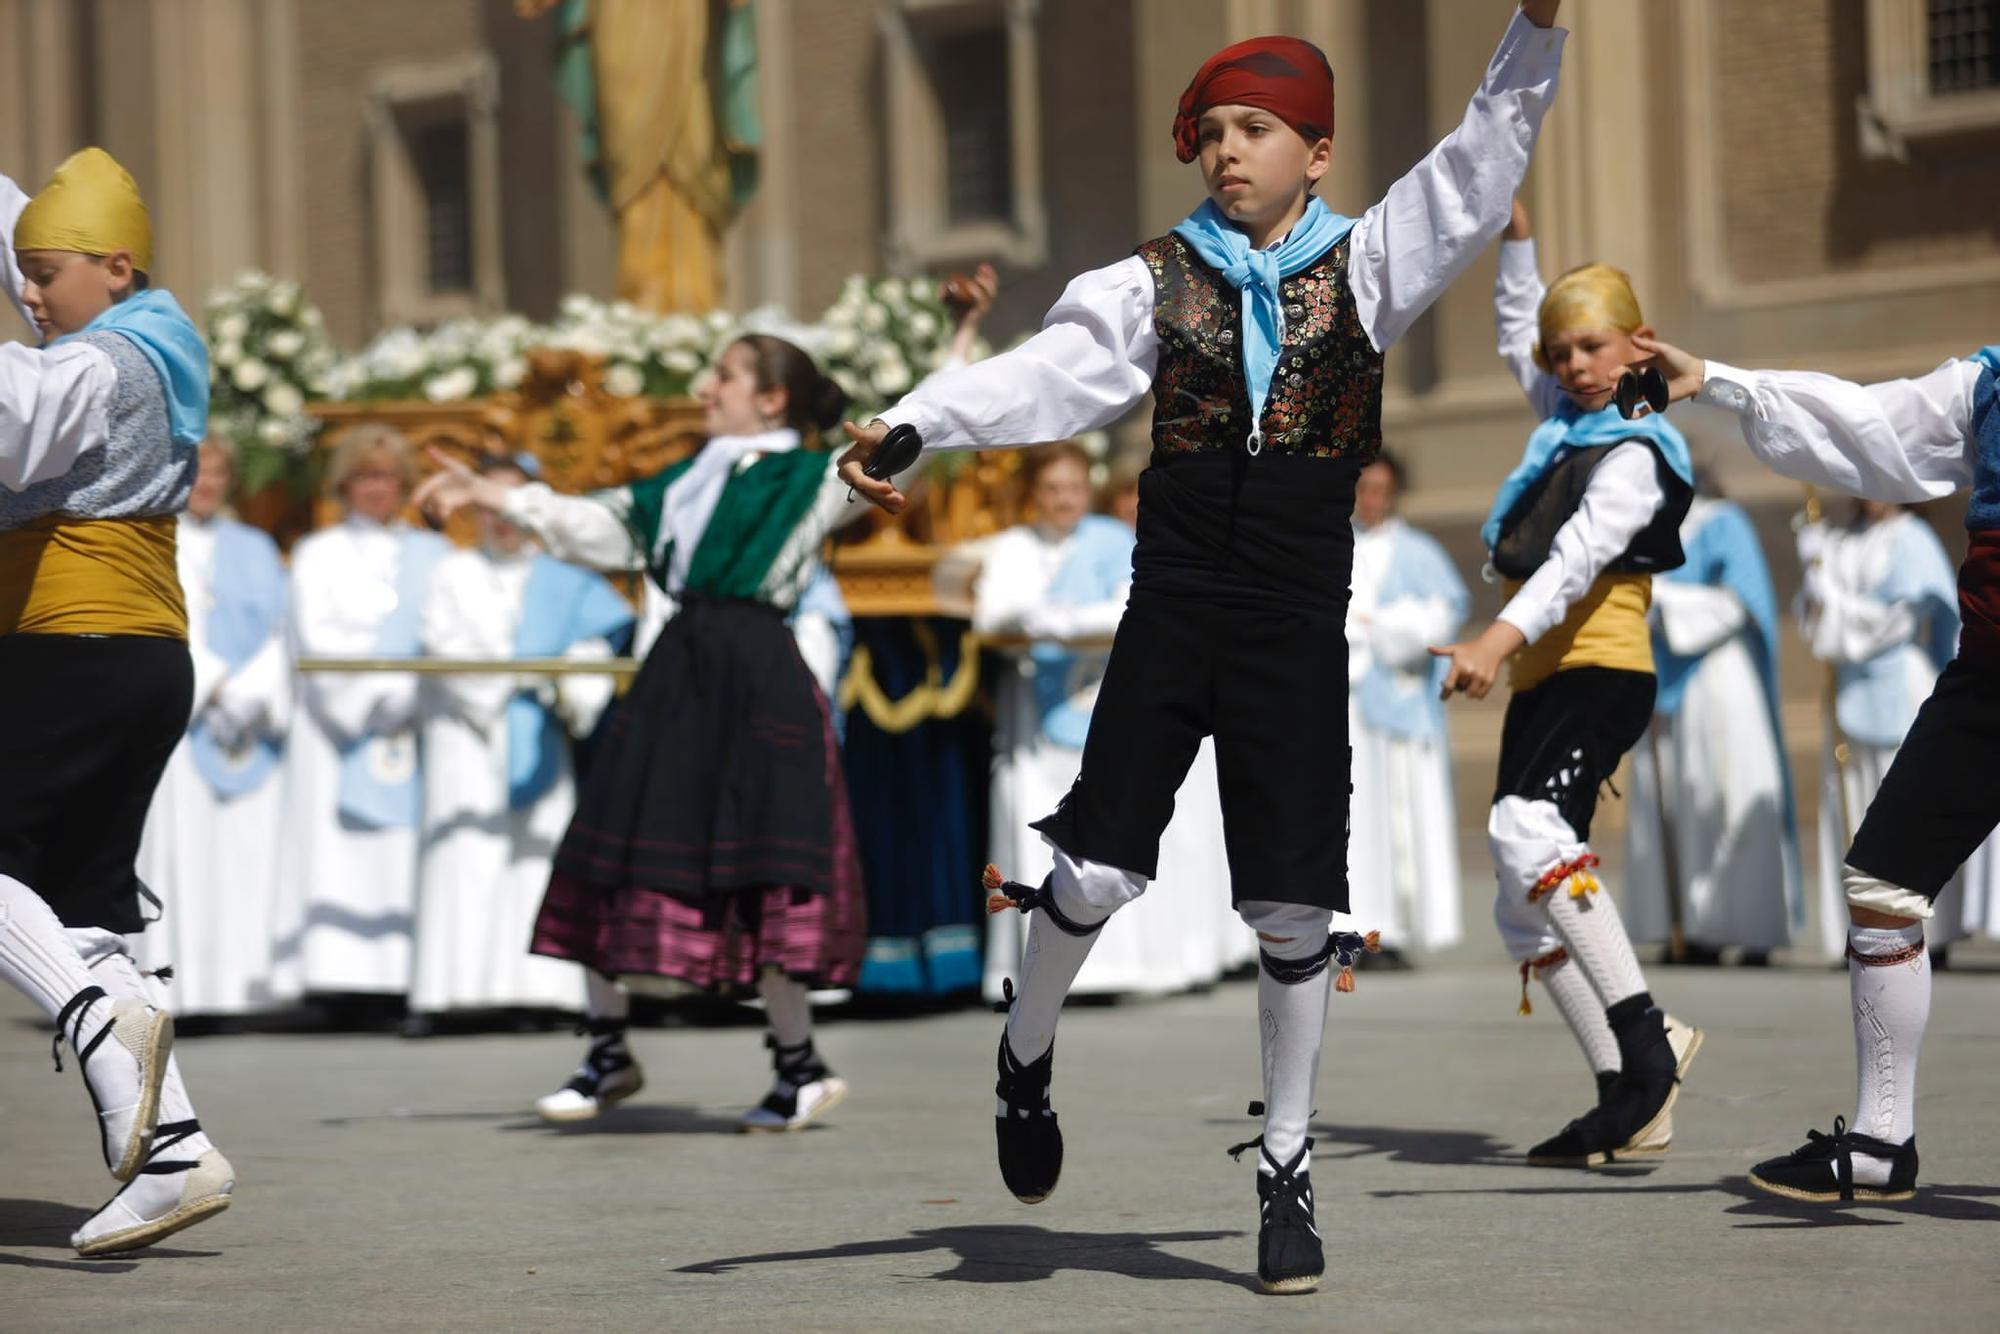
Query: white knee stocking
(604, 998)
(1531, 841)
(786, 1007)
(36, 953)
(1291, 1020)
(1595, 935)
(1577, 1000)
(1086, 893)
(1889, 982)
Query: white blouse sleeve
(587, 530)
(54, 408)
(12, 200)
(1409, 247)
(1093, 360)
(1623, 496)
(1901, 440)
(1517, 307)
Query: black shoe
(1028, 1138)
(1589, 1141)
(1289, 1257)
(1822, 1170)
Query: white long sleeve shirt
(1901, 440)
(1623, 493)
(1097, 352)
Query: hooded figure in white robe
(348, 868)
(498, 784)
(1717, 749)
(1880, 603)
(211, 842)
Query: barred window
(1964, 42)
(441, 153)
(968, 69)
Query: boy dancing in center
(1259, 324)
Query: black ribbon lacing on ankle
(74, 1010)
(1343, 947)
(606, 1056)
(797, 1066)
(170, 1133)
(1024, 1088)
(1236, 1151)
(1003, 894)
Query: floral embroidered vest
(1326, 396)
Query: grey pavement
(391, 1184)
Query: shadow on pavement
(1403, 1144)
(45, 1224)
(645, 1119)
(1959, 1204)
(1014, 1253)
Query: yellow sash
(67, 576)
(1606, 627)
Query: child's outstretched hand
(1685, 373)
(862, 443)
(1475, 663)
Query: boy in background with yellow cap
(98, 431)
(1578, 530)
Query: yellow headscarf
(1595, 296)
(91, 205)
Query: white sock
(37, 955)
(1596, 939)
(604, 998)
(1050, 961)
(1892, 1003)
(1291, 1024)
(116, 971)
(1577, 1000)
(786, 1007)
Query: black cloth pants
(1270, 685)
(1564, 738)
(90, 723)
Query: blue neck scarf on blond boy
(1256, 273)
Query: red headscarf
(1285, 76)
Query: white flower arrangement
(268, 357)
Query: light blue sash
(1098, 563)
(379, 784)
(561, 605)
(250, 598)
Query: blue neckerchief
(1255, 273)
(161, 330)
(1573, 428)
(1099, 563)
(560, 605)
(1990, 354)
(378, 774)
(250, 597)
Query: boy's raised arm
(1900, 440)
(1409, 247)
(1517, 304)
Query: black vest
(1530, 528)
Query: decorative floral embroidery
(1326, 396)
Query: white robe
(346, 893)
(484, 866)
(1856, 626)
(213, 862)
(1182, 932)
(1718, 756)
(1402, 845)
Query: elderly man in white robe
(348, 871)
(498, 784)
(210, 846)
(1402, 845)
